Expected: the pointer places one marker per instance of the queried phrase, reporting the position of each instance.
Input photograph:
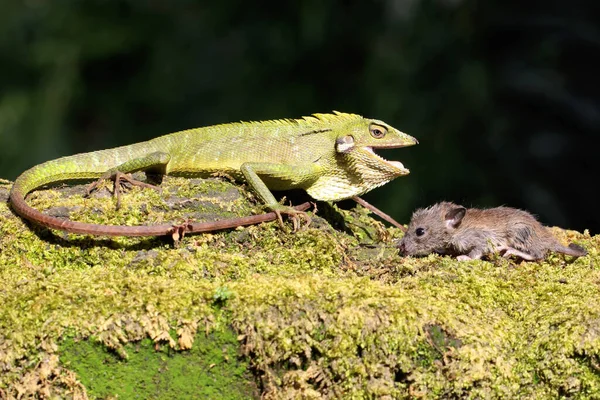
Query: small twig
(378, 212)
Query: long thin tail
(573, 249)
(17, 200)
(27, 182)
(66, 168)
(79, 166)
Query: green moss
(210, 369)
(330, 310)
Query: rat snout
(401, 248)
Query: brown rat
(448, 228)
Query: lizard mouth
(396, 165)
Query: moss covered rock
(330, 311)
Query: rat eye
(420, 231)
(377, 131)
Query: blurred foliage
(502, 95)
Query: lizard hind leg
(122, 173)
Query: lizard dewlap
(331, 156)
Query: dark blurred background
(502, 95)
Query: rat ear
(454, 217)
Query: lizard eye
(420, 231)
(377, 131)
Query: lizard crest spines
(314, 120)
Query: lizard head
(357, 141)
(356, 168)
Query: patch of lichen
(329, 311)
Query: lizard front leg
(153, 160)
(287, 177)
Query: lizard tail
(17, 199)
(68, 168)
(18, 203)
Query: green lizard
(328, 155)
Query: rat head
(431, 229)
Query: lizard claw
(119, 179)
(178, 231)
(295, 216)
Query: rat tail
(573, 249)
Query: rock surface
(330, 311)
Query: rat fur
(448, 228)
